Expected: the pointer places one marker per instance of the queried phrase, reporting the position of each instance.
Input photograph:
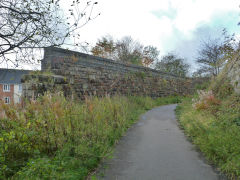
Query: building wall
(17, 93)
(7, 94)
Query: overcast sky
(170, 25)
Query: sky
(171, 25)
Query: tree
(210, 57)
(150, 55)
(125, 50)
(26, 25)
(129, 51)
(105, 47)
(173, 64)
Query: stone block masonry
(35, 85)
(90, 75)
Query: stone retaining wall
(91, 75)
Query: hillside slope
(212, 119)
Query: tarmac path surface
(156, 149)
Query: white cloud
(135, 18)
(192, 13)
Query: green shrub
(217, 134)
(54, 138)
(169, 100)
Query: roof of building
(11, 76)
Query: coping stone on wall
(94, 61)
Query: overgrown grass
(212, 121)
(54, 138)
(216, 131)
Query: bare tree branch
(210, 57)
(36, 24)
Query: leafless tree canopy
(26, 25)
(210, 57)
(215, 53)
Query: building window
(7, 100)
(20, 88)
(6, 88)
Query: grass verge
(54, 138)
(215, 129)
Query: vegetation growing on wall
(38, 82)
(141, 75)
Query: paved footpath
(156, 149)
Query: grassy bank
(212, 121)
(54, 138)
(213, 124)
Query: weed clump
(55, 138)
(214, 126)
(206, 100)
